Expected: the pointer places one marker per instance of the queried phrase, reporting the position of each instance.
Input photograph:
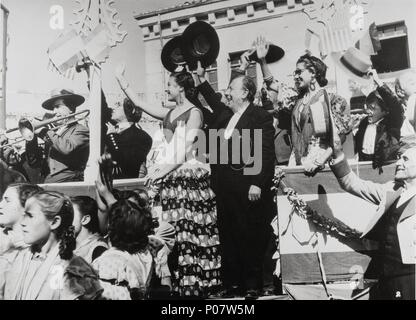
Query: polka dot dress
(188, 203)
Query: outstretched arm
(262, 47)
(156, 111)
(207, 91)
(396, 111)
(103, 185)
(373, 192)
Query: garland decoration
(333, 226)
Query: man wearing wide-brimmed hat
(67, 149)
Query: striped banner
(337, 35)
(333, 31)
(66, 51)
(71, 48)
(343, 260)
(97, 44)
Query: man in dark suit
(242, 184)
(128, 144)
(66, 149)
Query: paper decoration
(332, 23)
(92, 35)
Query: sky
(30, 35)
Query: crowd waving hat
(274, 54)
(355, 63)
(200, 42)
(172, 56)
(70, 98)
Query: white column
(211, 18)
(174, 26)
(146, 32)
(250, 11)
(230, 14)
(94, 104)
(270, 6)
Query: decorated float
(318, 256)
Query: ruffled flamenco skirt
(188, 203)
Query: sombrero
(274, 54)
(70, 98)
(172, 56)
(200, 42)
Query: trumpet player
(10, 155)
(66, 150)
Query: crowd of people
(212, 235)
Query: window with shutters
(394, 54)
(235, 63)
(212, 75)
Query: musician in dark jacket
(378, 135)
(128, 144)
(244, 200)
(66, 150)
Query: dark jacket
(66, 154)
(386, 144)
(129, 149)
(388, 131)
(225, 172)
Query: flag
(97, 44)
(334, 35)
(66, 51)
(370, 43)
(343, 260)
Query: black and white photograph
(214, 151)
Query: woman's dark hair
(25, 191)
(186, 81)
(139, 197)
(55, 204)
(87, 206)
(316, 66)
(129, 226)
(133, 113)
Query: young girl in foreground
(47, 269)
(12, 210)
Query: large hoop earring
(312, 86)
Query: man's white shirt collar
(369, 139)
(123, 126)
(406, 195)
(233, 122)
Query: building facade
(333, 26)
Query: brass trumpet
(27, 128)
